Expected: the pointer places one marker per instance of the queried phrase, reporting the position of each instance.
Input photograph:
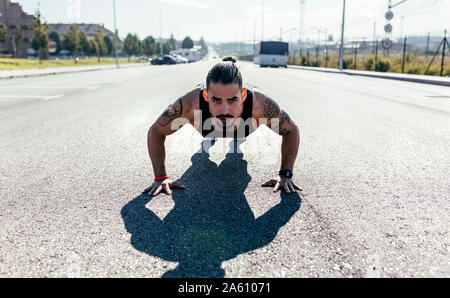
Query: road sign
(389, 15)
(387, 43)
(388, 28)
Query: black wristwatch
(286, 173)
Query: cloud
(193, 3)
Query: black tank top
(246, 116)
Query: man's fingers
(291, 188)
(167, 189)
(298, 187)
(271, 182)
(158, 190)
(277, 187)
(286, 187)
(148, 189)
(154, 187)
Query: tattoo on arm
(283, 120)
(273, 111)
(172, 112)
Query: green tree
(172, 43)
(166, 48)
(18, 38)
(187, 43)
(85, 46)
(40, 38)
(131, 45)
(57, 39)
(109, 45)
(71, 41)
(100, 46)
(92, 47)
(3, 32)
(148, 46)
(202, 43)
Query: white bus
(272, 53)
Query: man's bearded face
(226, 102)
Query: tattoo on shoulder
(172, 112)
(271, 109)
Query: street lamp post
(116, 35)
(262, 22)
(160, 33)
(341, 50)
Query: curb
(21, 76)
(379, 76)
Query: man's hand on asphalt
(282, 183)
(163, 186)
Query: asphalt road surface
(373, 162)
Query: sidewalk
(434, 80)
(36, 72)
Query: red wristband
(161, 178)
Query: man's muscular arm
(157, 136)
(280, 122)
(164, 126)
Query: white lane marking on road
(43, 97)
(21, 96)
(53, 97)
(115, 82)
(49, 87)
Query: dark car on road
(165, 60)
(169, 60)
(156, 61)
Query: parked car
(156, 61)
(167, 59)
(180, 59)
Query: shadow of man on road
(211, 221)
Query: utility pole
(404, 56)
(262, 22)
(116, 34)
(243, 39)
(374, 35)
(374, 31)
(401, 26)
(376, 56)
(160, 33)
(443, 52)
(341, 50)
(445, 43)
(428, 44)
(302, 27)
(254, 37)
(318, 44)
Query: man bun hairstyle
(225, 73)
(229, 59)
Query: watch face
(286, 173)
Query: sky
(241, 20)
